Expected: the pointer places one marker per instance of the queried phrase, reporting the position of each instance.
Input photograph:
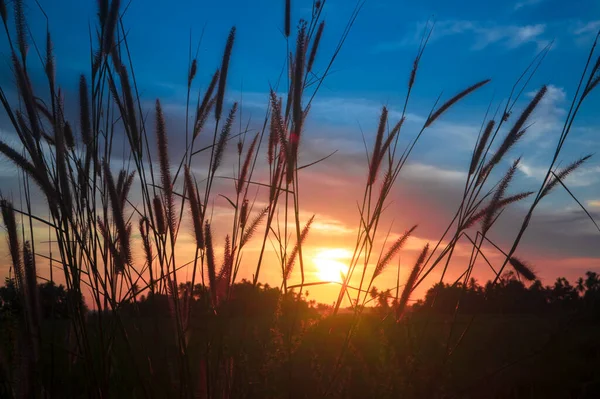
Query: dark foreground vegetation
(219, 336)
(520, 341)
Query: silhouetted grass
(152, 335)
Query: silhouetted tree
(54, 300)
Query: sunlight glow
(331, 264)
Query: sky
(471, 41)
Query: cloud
(511, 36)
(526, 3)
(352, 110)
(585, 32)
(547, 117)
(582, 177)
(484, 34)
(594, 203)
(535, 172)
(590, 27)
(423, 172)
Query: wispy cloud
(526, 3)
(483, 35)
(582, 177)
(594, 203)
(590, 27)
(420, 171)
(585, 32)
(548, 116)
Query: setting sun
(331, 264)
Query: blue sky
(471, 41)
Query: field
(552, 354)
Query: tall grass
(94, 199)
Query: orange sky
(332, 197)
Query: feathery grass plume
(518, 126)
(290, 94)
(315, 46)
(223, 137)
(299, 64)
(395, 131)
(171, 293)
(292, 257)
(244, 213)
(21, 28)
(84, 112)
(224, 277)
(210, 262)
(246, 165)
(3, 12)
(69, 139)
(31, 282)
(33, 171)
(26, 92)
(227, 259)
(159, 215)
(499, 206)
(121, 180)
(386, 185)
(203, 117)
(165, 166)
(206, 105)
(385, 260)
(50, 67)
(297, 82)
(10, 222)
(126, 187)
(522, 268)
(515, 133)
(498, 195)
(223, 74)
(481, 146)
(123, 231)
(143, 227)
(96, 62)
(251, 229)
(192, 72)
(278, 130)
(509, 142)
(125, 249)
(287, 23)
(413, 73)
(274, 188)
(410, 283)
(376, 156)
(273, 133)
(102, 11)
(560, 176)
(110, 25)
(25, 133)
(195, 209)
(61, 163)
(130, 109)
(435, 115)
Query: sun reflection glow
(331, 264)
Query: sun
(329, 264)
